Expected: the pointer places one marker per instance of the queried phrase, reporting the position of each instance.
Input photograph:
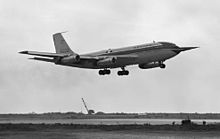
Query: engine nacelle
(149, 65)
(107, 61)
(71, 59)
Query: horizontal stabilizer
(45, 54)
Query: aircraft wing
(52, 57)
(44, 54)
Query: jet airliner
(146, 56)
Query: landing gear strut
(162, 66)
(104, 72)
(123, 72)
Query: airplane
(146, 56)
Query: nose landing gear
(162, 65)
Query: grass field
(98, 134)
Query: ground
(74, 131)
(97, 134)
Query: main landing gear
(120, 73)
(123, 72)
(104, 72)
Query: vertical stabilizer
(60, 44)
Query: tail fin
(60, 44)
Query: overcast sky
(190, 83)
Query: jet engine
(71, 59)
(149, 65)
(107, 61)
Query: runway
(67, 131)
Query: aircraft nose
(187, 48)
(180, 49)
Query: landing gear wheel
(123, 72)
(162, 66)
(101, 72)
(107, 72)
(126, 72)
(104, 72)
(119, 73)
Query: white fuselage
(140, 54)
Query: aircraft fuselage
(146, 53)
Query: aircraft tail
(60, 44)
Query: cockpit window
(167, 44)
